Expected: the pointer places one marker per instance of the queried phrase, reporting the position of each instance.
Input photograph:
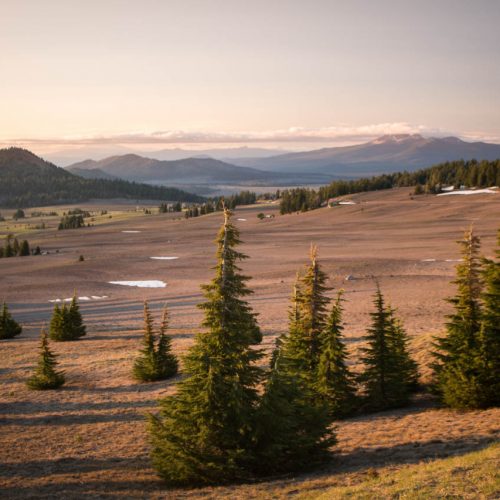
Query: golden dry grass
(88, 439)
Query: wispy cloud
(296, 135)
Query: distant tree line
(218, 204)
(170, 207)
(457, 173)
(12, 248)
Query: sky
(293, 74)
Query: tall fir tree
(204, 433)
(489, 378)
(75, 319)
(293, 326)
(144, 368)
(407, 368)
(386, 379)
(25, 249)
(458, 354)
(166, 362)
(334, 382)
(9, 328)
(46, 376)
(302, 348)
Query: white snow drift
(164, 258)
(83, 299)
(470, 191)
(141, 283)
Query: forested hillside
(431, 180)
(27, 180)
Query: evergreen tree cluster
(9, 328)
(314, 350)
(12, 248)
(170, 207)
(71, 222)
(467, 358)
(430, 180)
(220, 427)
(67, 323)
(156, 361)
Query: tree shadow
(57, 419)
(26, 408)
(408, 453)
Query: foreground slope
(89, 439)
(27, 180)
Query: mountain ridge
(388, 153)
(27, 180)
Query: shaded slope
(27, 180)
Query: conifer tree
(25, 249)
(205, 432)
(334, 383)
(166, 362)
(458, 354)
(293, 326)
(75, 320)
(8, 250)
(302, 349)
(145, 365)
(386, 377)
(46, 376)
(155, 362)
(398, 341)
(66, 322)
(9, 328)
(292, 433)
(57, 329)
(490, 333)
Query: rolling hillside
(27, 180)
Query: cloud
(296, 135)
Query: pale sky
(283, 72)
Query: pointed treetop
(313, 254)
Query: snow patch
(242, 220)
(85, 298)
(348, 202)
(141, 283)
(471, 191)
(132, 232)
(163, 258)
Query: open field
(88, 439)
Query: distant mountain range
(27, 180)
(71, 156)
(389, 153)
(189, 171)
